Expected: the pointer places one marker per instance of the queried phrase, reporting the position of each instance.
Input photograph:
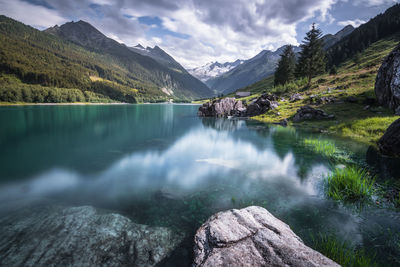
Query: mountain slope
(250, 71)
(332, 39)
(160, 56)
(261, 66)
(379, 27)
(172, 81)
(213, 69)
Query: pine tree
(312, 56)
(286, 67)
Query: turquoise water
(162, 165)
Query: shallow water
(162, 165)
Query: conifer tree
(312, 56)
(286, 67)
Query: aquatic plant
(349, 184)
(341, 251)
(324, 147)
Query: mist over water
(162, 165)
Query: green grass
(351, 119)
(350, 184)
(372, 127)
(342, 252)
(324, 147)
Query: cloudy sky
(196, 32)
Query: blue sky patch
(157, 30)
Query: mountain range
(78, 56)
(213, 69)
(165, 71)
(260, 66)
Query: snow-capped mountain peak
(213, 69)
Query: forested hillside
(35, 63)
(381, 26)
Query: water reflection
(162, 165)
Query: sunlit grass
(372, 128)
(352, 120)
(350, 184)
(324, 147)
(342, 252)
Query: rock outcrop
(81, 236)
(252, 237)
(389, 144)
(295, 97)
(261, 105)
(231, 107)
(224, 107)
(387, 85)
(309, 113)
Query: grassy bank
(358, 120)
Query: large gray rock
(261, 105)
(389, 144)
(252, 237)
(224, 107)
(308, 113)
(81, 236)
(387, 84)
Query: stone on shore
(309, 113)
(252, 237)
(389, 144)
(387, 84)
(224, 107)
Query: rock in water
(389, 144)
(81, 236)
(387, 85)
(309, 113)
(252, 237)
(222, 108)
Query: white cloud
(355, 23)
(371, 3)
(34, 15)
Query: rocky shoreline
(85, 236)
(230, 107)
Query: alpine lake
(162, 165)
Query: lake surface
(162, 165)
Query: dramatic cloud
(39, 16)
(193, 32)
(355, 23)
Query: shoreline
(60, 104)
(6, 104)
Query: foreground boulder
(224, 107)
(389, 144)
(252, 237)
(309, 113)
(387, 85)
(81, 236)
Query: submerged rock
(389, 144)
(81, 236)
(309, 113)
(387, 84)
(224, 107)
(252, 237)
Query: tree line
(313, 60)
(310, 63)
